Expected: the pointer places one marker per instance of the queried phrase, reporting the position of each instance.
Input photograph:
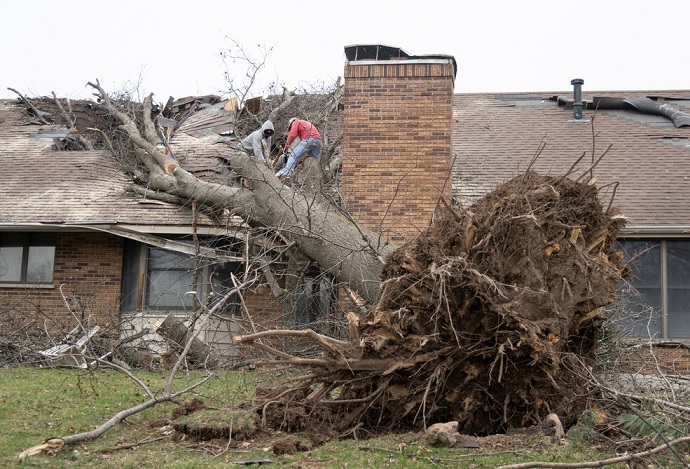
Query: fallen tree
(312, 225)
(484, 320)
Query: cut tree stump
(178, 333)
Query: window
(314, 300)
(170, 276)
(221, 283)
(27, 257)
(167, 276)
(658, 305)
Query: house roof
(646, 170)
(42, 187)
(496, 136)
(204, 140)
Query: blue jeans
(310, 146)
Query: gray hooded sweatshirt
(252, 142)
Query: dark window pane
(43, 239)
(130, 276)
(644, 316)
(678, 271)
(167, 289)
(221, 284)
(27, 257)
(170, 276)
(13, 239)
(646, 262)
(160, 259)
(678, 312)
(314, 300)
(641, 304)
(678, 263)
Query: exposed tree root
(475, 322)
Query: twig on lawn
(133, 445)
(602, 463)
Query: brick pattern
(667, 358)
(397, 138)
(88, 267)
(265, 308)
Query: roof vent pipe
(577, 97)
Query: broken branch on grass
(114, 420)
(601, 463)
(334, 347)
(168, 396)
(114, 366)
(134, 445)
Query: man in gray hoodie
(253, 143)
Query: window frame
(138, 265)
(664, 287)
(27, 241)
(177, 266)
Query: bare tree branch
(601, 463)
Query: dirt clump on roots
(489, 318)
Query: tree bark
(323, 233)
(176, 331)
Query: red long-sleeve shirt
(302, 129)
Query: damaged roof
(496, 136)
(204, 140)
(43, 186)
(646, 172)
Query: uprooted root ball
(488, 319)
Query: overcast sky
(172, 47)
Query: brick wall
(667, 358)
(88, 266)
(397, 143)
(265, 308)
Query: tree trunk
(177, 332)
(319, 230)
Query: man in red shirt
(310, 144)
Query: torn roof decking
(43, 186)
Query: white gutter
(655, 231)
(146, 238)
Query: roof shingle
(41, 185)
(496, 136)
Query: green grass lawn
(37, 404)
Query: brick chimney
(397, 151)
